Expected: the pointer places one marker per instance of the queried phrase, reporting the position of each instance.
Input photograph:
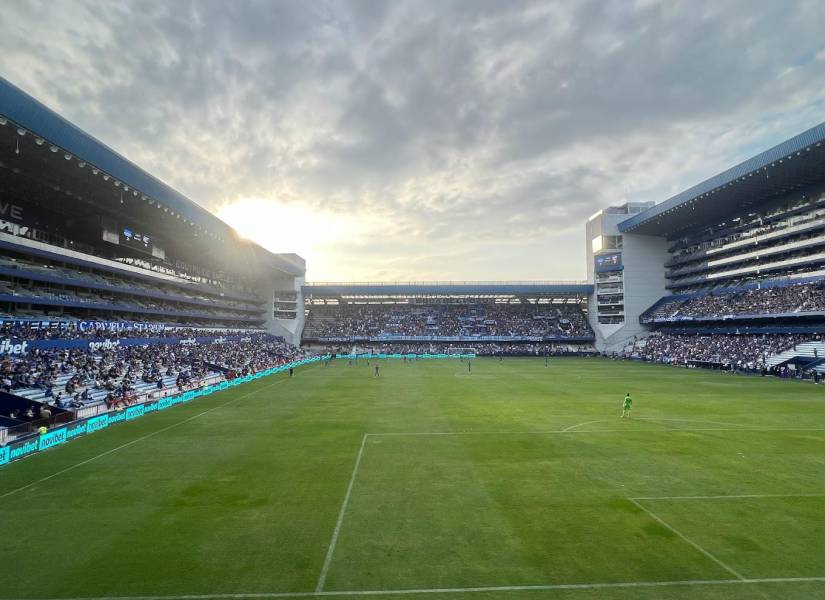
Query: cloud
(470, 139)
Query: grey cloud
(488, 130)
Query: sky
(425, 139)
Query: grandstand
(727, 273)
(528, 318)
(115, 288)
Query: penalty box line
(685, 538)
(319, 588)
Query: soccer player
(469, 366)
(626, 406)
(376, 373)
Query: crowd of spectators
(738, 352)
(451, 320)
(797, 298)
(481, 349)
(118, 370)
(69, 330)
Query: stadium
(183, 416)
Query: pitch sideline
(468, 590)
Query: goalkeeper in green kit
(626, 406)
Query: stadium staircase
(806, 356)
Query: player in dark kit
(376, 373)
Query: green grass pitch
(515, 481)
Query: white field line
(577, 431)
(135, 441)
(652, 420)
(468, 590)
(688, 540)
(729, 496)
(577, 425)
(322, 579)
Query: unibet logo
(9, 347)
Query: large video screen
(136, 240)
(608, 260)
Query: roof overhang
(573, 288)
(791, 166)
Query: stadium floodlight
(67, 156)
(21, 131)
(54, 149)
(3, 120)
(39, 141)
(81, 164)
(95, 171)
(105, 178)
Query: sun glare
(286, 228)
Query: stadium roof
(446, 288)
(793, 165)
(29, 116)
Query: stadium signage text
(104, 345)
(12, 346)
(23, 449)
(75, 430)
(13, 228)
(52, 438)
(97, 423)
(12, 211)
(8, 346)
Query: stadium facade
(742, 252)
(89, 237)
